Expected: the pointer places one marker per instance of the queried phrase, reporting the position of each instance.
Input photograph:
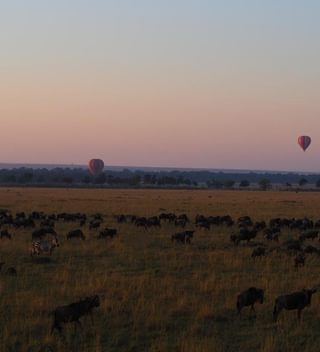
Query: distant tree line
(80, 177)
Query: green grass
(156, 296)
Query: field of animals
(159, 270)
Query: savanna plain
(156, 295)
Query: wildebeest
(5, 234)
(258, 252)
(272, 234)
(182, 237)
(11, 271)
(311, 234)
(297, 300)
(1, 265)
(73, 312)
(40, 233)
(299, 260)
(249, 297)
(293, 246)
(244, 235)
(311, 250)
(44, 246)
(108, 233)
(94, 224)
(75, 234)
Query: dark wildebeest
(75, 234)
(309, 235)
(297, 300)
(249, 298)
(108, 233)
(243, 235)
(272, 234)
(5, 234)
(182, 237)
(1, 265)
(299, 260)
(94, 225)
(73, 312)
(12, 271)
(258, 252)
(311, 250)
(40, 233)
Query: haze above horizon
(199, 84)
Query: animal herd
(44, 240)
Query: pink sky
(178, 93)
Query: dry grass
(157, 296)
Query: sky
(175, 83)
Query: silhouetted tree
(264, 184)
(302, 182)
(244, 184)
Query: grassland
(156, 296)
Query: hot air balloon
(96, 166)
(304, 142)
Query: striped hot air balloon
(304, 142)
(96, 166)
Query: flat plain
(156, 295)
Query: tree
(265, 184)
(318, 183)
(100, 179)
(215, 184)
(67, 179)
(244, 184)
(302, 182)
(229, 184)
(25, 177)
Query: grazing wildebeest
(299, 260)
(168, 217)
(40, 233)
(272, 234)
(153, 221)
(244, 235)
(47, 223)
(311, 250)
(297, 300)
(311, 234)
(73, 312)
(249, 297)
(258, 252)
(182, 237)
(5, 234)
(244, 221)
(203, 224)
(293, 246)
(94, 225)
(44, 246)
(75, 234)
(23, 222)
(1, 265)
(12, 271)
(108, 233)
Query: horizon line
(158, 168)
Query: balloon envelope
(96, 166)
(304, 142)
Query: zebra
(44, 246)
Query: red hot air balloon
(304, 142)
(96, 166)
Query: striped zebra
(44, 246)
